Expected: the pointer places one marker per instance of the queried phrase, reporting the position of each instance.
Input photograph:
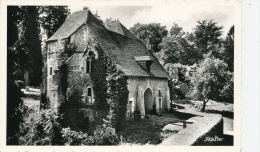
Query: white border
(251, 75)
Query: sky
(186, 16)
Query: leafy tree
(209, 79)
(177, 48)
(111, 20)
(52, 17)
(13, 19)
(151, 34)
(229, 49)
(176, 30)
(15, 107)
(28, 45)
(207, 37)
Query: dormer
(145, 62)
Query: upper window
(50, 70)
(89, 66)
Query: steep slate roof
(117, 42)
(118, 28)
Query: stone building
(147, 81)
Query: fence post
(184, 124)
(153, 120)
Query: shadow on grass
(227, 114)
(183, 115)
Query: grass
(142, 132)
(211, 106)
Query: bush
(105, 136)
(71, 116)
(76, 138)
(41, 129)
(102, 136)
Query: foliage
(177, 49)
(228, 54)
(102, 136)
(71, 115)
(15, 107)
(207, 37)
(15, 112)
(52, 17)
(28, 45)
(151, 34)
(117, 96)
(13, 19)
(72, 137)
(209, 79)
(41, 129)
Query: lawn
(142, 132)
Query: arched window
(89, 59)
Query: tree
(228, 54)
(177, 48)
(207, 37)
(176, 30)
(15, 107)
(52, 17)
(150, 34)
(210, 79)
(28, 45)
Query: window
(87, 96)
(88, 62)
(160, 103)
(160, 93)
(50, 70)
(88, 65)
(89, 92)
(130, 107)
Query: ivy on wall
(117, 96)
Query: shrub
(72, 137)
(41, 129)
(105, 136)
(102, 136)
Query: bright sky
(185, 16)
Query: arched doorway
(148, 100)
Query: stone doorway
(148, 100)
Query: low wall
(206, 129)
